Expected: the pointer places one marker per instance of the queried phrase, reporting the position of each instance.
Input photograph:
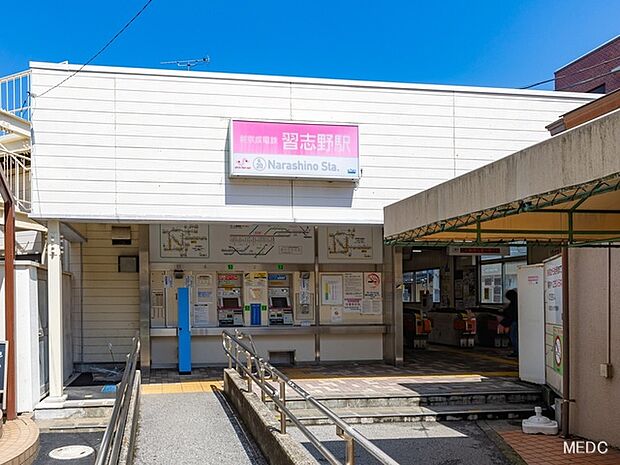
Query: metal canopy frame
(573, 198)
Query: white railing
(15, 163)
(15, 94)
(16, 169)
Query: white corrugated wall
(126, 144)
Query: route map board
(350, 244)
(184, 240)
(271, 243)
(233, 243)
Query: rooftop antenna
(189, 64)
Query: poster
(331, 289)
(3, 369)
(553, 291)
(372, 285)
(255, 287)
(201, 314)
(353, 292)
(372, 307)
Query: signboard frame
(354, 178)
(4, 350)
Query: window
(121, 235)
(496, 278)
(598, 89)
(416, 283)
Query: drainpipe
(9, 294)
(608, 359)
(566, 349)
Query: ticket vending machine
(255, 298)
(280, 308)
(158, 299)
(229, 304)
(164, 296)
(173, 281)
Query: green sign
(280, 266)
(230, 267)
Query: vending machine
(164, 296)
(255, 298)
(204, 309)
(229, 304)
(303, 298)
(280, 308)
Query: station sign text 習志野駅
(294, 150)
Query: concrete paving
(192, 428)
(50, 441)
(427, 443)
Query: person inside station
(510, 320)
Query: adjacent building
(598, 71)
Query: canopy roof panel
(563, 191)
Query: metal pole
(317, 298)
(350, 453)
(263, 394)
(9, 302)
(249, 367)
(237, 351)
(282, 414)
(566, 349)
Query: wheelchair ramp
(191, 423)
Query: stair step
(73, 413)
(56, 424)
(427, 399)
(419, 413)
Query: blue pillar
(255, 314)
(185, 336)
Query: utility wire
(573, 73)
(144, 7)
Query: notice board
(554, 340)
(351, 298)
(3, 369)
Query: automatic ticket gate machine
(229, 295)
(280, 308)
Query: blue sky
(491, 43)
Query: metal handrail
(111, 443)
(343, 429)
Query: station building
(262, 195)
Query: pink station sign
(294, 150)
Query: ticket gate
(452, 327)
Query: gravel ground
(192, 428)
(427, 443)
